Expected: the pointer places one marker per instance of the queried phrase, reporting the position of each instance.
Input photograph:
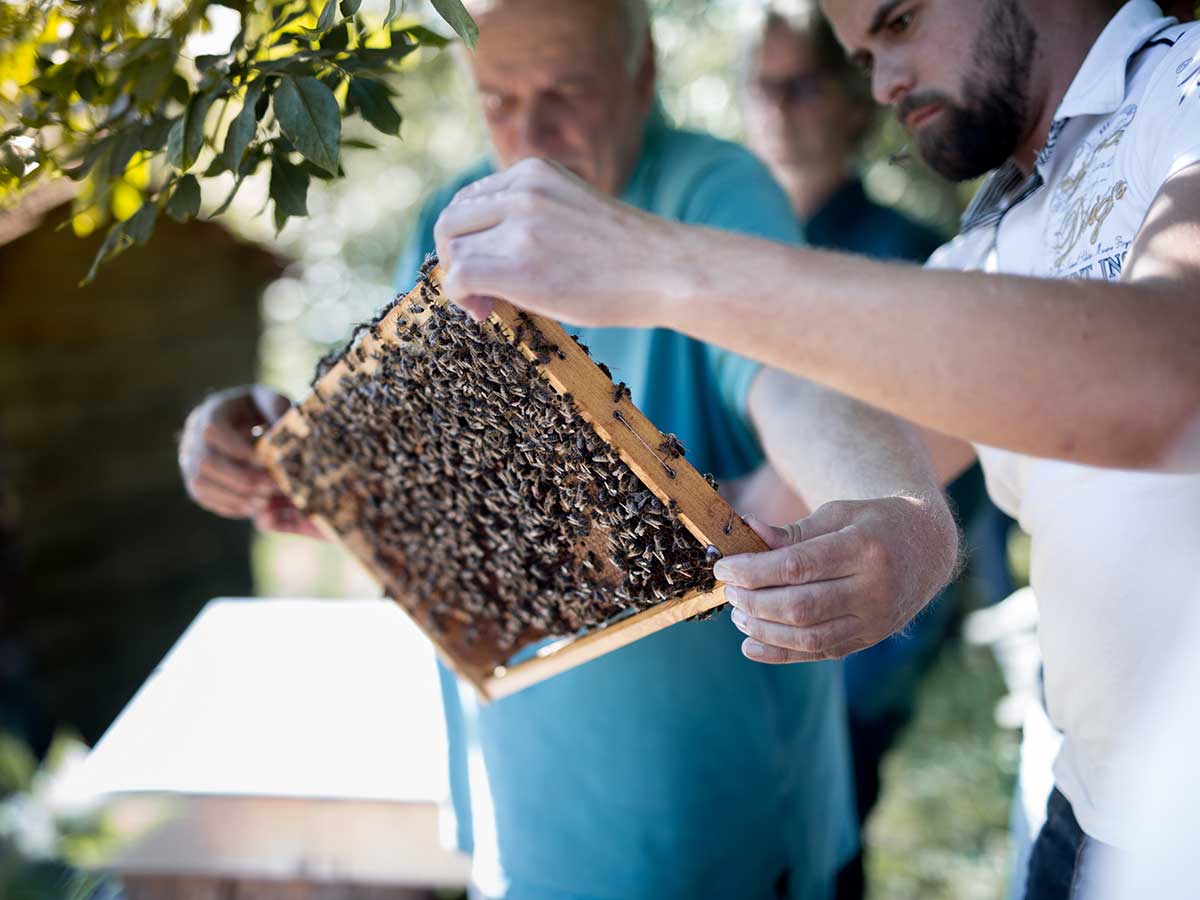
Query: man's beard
(967, 140)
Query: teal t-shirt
(673, 768)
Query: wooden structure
(311, 772)
(573, 374)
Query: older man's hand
(546, 241)
(846, 577)
(220, 469)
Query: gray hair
(633, 27)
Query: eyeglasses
(791, 90)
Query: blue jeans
(1062, 855)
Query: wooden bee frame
(572, 373)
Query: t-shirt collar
(1099, 86)
(656, 126)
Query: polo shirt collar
(1099, 86)
(654, 131)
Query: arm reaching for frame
(880, 544)
(1090, 372)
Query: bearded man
(1058, 337)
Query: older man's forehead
(585, 24)
(592, 9)
(560, 43)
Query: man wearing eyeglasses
(807, 112)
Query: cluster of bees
(499, 513)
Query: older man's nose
(537, 130)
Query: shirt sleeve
(737, 193)
(420, 243)
(420, 239)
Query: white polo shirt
(1115, 554)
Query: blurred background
(103, 559)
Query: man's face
(553, 82)
(796, 114)
(957, 71)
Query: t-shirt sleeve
(1172, 143)
(737, 193)
(420, 242)
(420, 239)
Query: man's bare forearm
(1106, 374)
(827, 446)
(878, 545)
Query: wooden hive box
(503, 490)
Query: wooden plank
(598, 642)
(639, 444)
(198, 887)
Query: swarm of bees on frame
(498, 512)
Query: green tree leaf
(243, 126)
(379, 59)
(87, 85)
(308, 114)
(155, 74)
(208, 60)
(185, 199)
(90, 158)
(459, 19)
(425, 37)
(215, 167)
(12, 160)
(179, 90)
(56, 80)
(337, 38)
(175, 142)
(249, 165)
(110, 247)
(116, 84)
(325, 21)
(260, 108)
(289, 190)
(186, 137)
(193, 132)
(374, 101)
(154, 135)
(140, 225)
(127, 143)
